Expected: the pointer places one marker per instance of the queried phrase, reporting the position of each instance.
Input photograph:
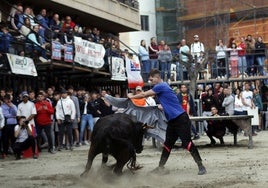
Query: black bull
(117, 135)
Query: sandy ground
(227, 166)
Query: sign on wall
(21, 65)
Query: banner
(133, 69)
(68, 53)
(118, 69)
(56, 50)
(88, 53)
(21, 65)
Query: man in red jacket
(43, 120)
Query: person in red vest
(43, 120)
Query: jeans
(260, 60)
(86, 120)
(146, 67)
(154, 64)
(179, 71)
(242, 64)
(47, 129)
(165, 69)
(250, 62)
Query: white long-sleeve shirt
(68, 106)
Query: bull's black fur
(117, 135)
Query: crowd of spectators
(45, 112)
(245, 57)
(38, 30)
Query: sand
(227, 166)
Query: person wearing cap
(141, 101)
(178, 125)
(197, 47)
(26, 108)
(10, 114)
(65, 106)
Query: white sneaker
(86, 142)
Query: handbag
(67, 118)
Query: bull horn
(145, 126)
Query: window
(144, 23)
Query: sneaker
(202, 170)
(71, 148)
(77, 144)
(86, 142)
(18, 156)
(45, 145)
(52, 151)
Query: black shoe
(18, 156)
(202, 170)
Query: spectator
(68, 24)
(43, 22)
(233, 60)
(184, 49)
(24, 138)
(187, 103)
(165, 58)
(55, 26)
(2, 124)
(144, 55)
(238, 109)
(179, 67)
(153, 53)
(35, 44)
(228, 102)
(17, 20)
(250, 49)
(5, 39)
(43, 120)
(65, 107)
(242, 62)
(28, 13)
(208, 101)
(221, 58)
(260, 54)
(197, 47)
(258, 103)
(87, 119)
(27, 108)
(26, 28)
(77, 115)
(10, 114)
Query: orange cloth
(139, 102)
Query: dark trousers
(21, 146)
(47, 129)
(179, 127)
(65, 127)
(8, 134)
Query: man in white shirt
(26, 108)
(197, 47)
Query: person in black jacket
(87, 120)
(260, 54)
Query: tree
(193, 67)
